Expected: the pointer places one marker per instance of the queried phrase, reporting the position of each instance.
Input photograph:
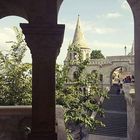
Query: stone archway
(42, 17)
(44, 38)
(15, 8)
(119, 71)
(135, 6)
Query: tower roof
(132, 50)
(78, 38)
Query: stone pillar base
(40, 136)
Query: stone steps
(115, 116)
(115, 125)
(115, 103)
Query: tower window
(75, 75)
(75, 55)
(70, 56)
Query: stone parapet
(128, 58)
(15, 122)
(110, 59)
(130, 98)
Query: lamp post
(125, 50)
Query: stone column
(135, 6)
(44, 43)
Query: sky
(107, 26)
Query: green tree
(80, 97)
(96, 54)
(15, 76)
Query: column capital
(44, 39)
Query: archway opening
(15, 61)
(109, 28)
(104, 30)
(117, 75)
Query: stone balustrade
(111, 59)
(122, 58)
(129, 91)
(15, 122)
(99, 61)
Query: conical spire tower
(78, 44)
(78, 39)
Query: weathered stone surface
(106, 67)
(15, 122)
(60, 123)
(41, 12)
(135, 6)
(98, 137)
(130, 99)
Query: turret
(79, 49)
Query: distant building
(79, 50)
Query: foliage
(80, 97)
(15, 76)
(96, 54)
(78, 54)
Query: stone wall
(15, 122)
(106, 67)
(109, 64)
(110, 59)
(130, 98)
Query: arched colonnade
(44, 38)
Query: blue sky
(107, 26)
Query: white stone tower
(78, 45)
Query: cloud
(70, 26)
(107, 44)
(6, 34)
(93, 28)
(104, 30)
(89, 26)
(111, 15)
(110, 48)
(125, 6)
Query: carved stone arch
(93, 71)
(101, 77)
(42, 18)
(13, 8)
(132, 3)
(114, 68)
(134, 133)
(44, 12)
(75, 75)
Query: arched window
(75, 75)
(70, 56)
(94, 71)
(101, 78)
(75, 56)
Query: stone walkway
(115, 116)
(98, 137)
